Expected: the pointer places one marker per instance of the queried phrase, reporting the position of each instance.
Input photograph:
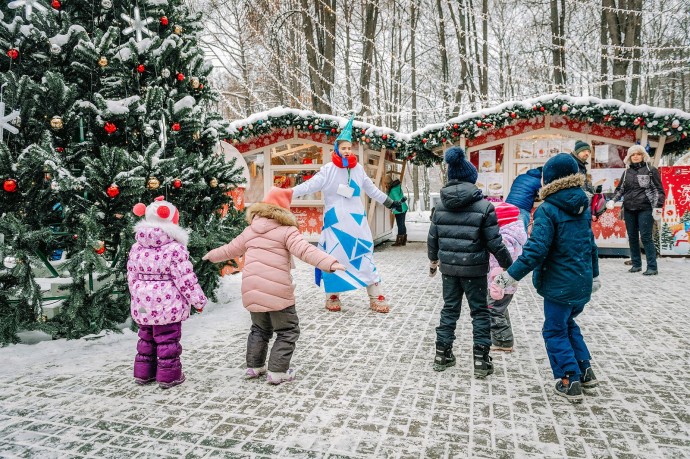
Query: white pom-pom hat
(161, 214)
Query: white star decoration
(136, 24)
(29, 6)
(5, 120)
(164, 135)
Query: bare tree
(622, 21)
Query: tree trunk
(413, 79)
(370, 18)
(485, 51)
(603, 61)
(622, 27)
(443, 55)
(558, 44)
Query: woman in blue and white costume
(346, 234)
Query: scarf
(338, 161)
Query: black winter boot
(444, 358)
(398, 241)
(482, 361)
(570, 390)
(404, 240)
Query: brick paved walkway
(365, 386)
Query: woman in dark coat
(643, 199)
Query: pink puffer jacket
(514, 238)
(161, 278)
(268, 243)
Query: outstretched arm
(313, 185)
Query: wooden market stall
(287, 153)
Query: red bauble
(180, 76)
(311, 127)
(479, 124)
(384, 137)
(175, 127)
(240, 128)
(75, 237)
(177, 183)
(56, 4)
(100, 250)
(455, 126)
(10, 185)
(60, 149)
(425, 140)
(513, 114)
(141, 68)
(534, 107)
(201, 86)
(113, 190)
(443, 140)
(13, 53)
(541, 109)
(333, 131)
(164, 21)
(110, 127)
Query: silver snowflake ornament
(137, 25)
(28, 5)
(5, 120)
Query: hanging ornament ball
(180, 76)
(153, 183)
(13, 53)
(164, 21)
(10, 185)
(54, 185)
(75, 237)
(213, 183)
(113, 190)
(513, 115)
(195, 82)
(55, 48)
(103, 61)
(60, 149)
(675, 124)
(636, 121)
(175, 127)
(9, 262)
(141, 68)
(564, 108)
(99, 248)
(107, 4)
(148, 131)
(177, 183)
(165, 73)
(196, 135)
(57, 123)
(110, 127)
(56, 4)
(177, 30)
(201, 86)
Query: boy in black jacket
(464, 229)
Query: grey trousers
(285, 324)
(501, 329)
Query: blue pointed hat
(344, 136)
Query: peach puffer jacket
(269, 243)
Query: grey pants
(285, 324)
(501, 330)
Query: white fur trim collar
(181, 235)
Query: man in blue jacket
(523, 192)
(562, 253)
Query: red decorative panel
(608, 228)
(309, 219)
(515, 128)
(277, 135)
(585, 127)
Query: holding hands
(610, 204)
(657, 213)
(504, 280)
(433, 268)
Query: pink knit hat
(159, 211)
(506, 213)
(280, 197)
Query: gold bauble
(103, 61)
(195, 82)
(153, 183)
(56, 123)
(196, 135)
(213, 182)
(177, 30)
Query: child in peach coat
(268, 244)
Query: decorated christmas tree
(104, 104)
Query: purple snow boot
(169, 371)
(276, 378)
(145, 361)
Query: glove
(433, 268)
(596, 284)
(199, 309)
(394, 205)
(610, 204)
(657, 213)
(504, 280)
(338, 267)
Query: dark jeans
(475, 289)
(286, 325)
(565, 345)
(158, 353)
(501, 330)
(400, 221)
(639, 224)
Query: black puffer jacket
(640, 188)
(463, 227)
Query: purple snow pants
(158, 353)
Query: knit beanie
(459, 168)
(559, 166)
(280, 197)
(581, 146)
(506, 213)
(159, 211)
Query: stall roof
(417, 146)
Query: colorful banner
(675, 222)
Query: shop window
(284, 158)
(489, 164)
(255, 191)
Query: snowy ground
(365, 386)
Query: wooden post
(377, 182)
(643, 138)
(659, 150)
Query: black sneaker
(650, 272)
(588, 380)
(570, 390)
(444, 358)
(635, 269)
(482, 362)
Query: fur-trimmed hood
(153, 234)
(566, 193)
(637, 149)
(271, 212)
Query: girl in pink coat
(163, 289)
(268, 293)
